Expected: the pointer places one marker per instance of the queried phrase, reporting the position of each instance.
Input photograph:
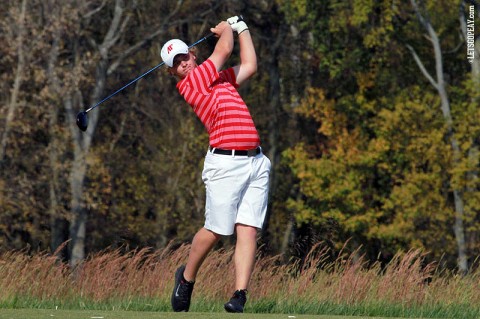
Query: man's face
(183, 64)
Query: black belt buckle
(254, 152)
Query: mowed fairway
(90, 314)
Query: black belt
(249, 153)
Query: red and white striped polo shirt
(215, 100)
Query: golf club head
(82, 121)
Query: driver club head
(82, 121)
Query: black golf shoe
(182, 291)
(237, 302)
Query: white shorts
(236, 191)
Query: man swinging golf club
(236, 172)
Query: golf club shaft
(141, 76)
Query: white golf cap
(171, 49)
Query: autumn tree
(380, 169)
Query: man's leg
(251, 213)
(245, 250)
(203, 242)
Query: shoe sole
(229, 308)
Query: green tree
(379, 165)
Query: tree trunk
(273, 127)
(287, 237)
(274, 109)
(473, 152)
(440, 86)
(12, 106)
(58, 224)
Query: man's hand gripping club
(237, 24)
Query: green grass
(91, 314)
(255, 308)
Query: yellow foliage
(408, 153)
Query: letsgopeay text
(471, 35)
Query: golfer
(236, 172)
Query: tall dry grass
(147, 274)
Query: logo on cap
(169, 48)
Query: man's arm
(224, 45)
(248, 58)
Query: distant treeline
(369, 111)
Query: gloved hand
(237, 24)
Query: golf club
(82, 118)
